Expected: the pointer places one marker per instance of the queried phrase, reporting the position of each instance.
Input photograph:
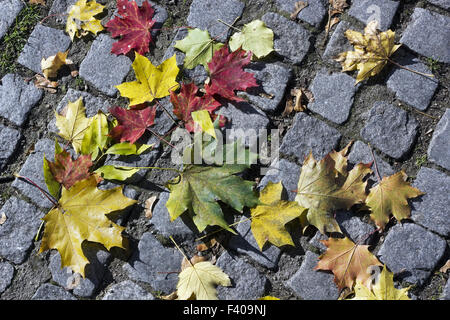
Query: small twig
(53, 15)
(160, 138)
(375, 164)
(423, 113)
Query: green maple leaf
(198, 47)
(255, 37)
(199, 187)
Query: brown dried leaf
(148, 207)
(172, 296)
(333, 21)
(2, 218)
(299, 6)
(288, 108)
(43, 83)
(444, 268)
(338, 5)
(207, 245)
(195, 259)
(37, 2)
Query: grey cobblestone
(17, 98)
(151, 262)
(426, 34)
(102, 68)
(431, 209)
(42, 43)
(51, 292)
(441, 3)
(411, 252)
(310, 284)
(390, 129)
(245, 243)
(309, 134)
(446, 292)
(246, 281)
(127, 290)
(333, 95)
(286, 172)
(291, 40)
(10, 10)
(338, 42)
(7, 272)
(18, 231)
(9, 139)
(414, 89)
(439, 149)
(313, 13)
(204, 15)
(367, 10)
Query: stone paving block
(333, 95)
(94, 272)
(32, 169)
(441, 3)
(390, 129)
(91, 103)
(272, 79)
(313, 13)
(360, 152)
(204, 14)
(246, 281)
(338, 42)
(181, 228)
(245, 243)
(152, 262)
(427, 34)
(18, 232)
(49, 291)
(286, 172)
(103, 69)
(439, 149)
(351, 226)
(412, 252)
(381, 10)
(198, 75)
(432, 209)
(7, 272)
(309, 134)
(310, 284)
(127, 290)
(414, 89)
(42, 43)
(446, 292)
(9, 139)
(10, 10)
(291, 40)
(17, 98)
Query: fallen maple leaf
(227, 74)
(73, 124)
(148, 207)
(151, 82)
(199, 281)
(382, 290)
(81, 16)
(52, 64)
(95, 137)
(133, 24)
(391, 196)
(81, 216)
(326, 186)
(198, 188)
(338, 5)
(254, 37)
(348, 261)
(445, 267)
(198, 47)
(68, 172)
(188, 101)
(372, 51)
(43, 83)
(132, 123)
(271, 215)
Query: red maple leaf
(187, 101)
(227, 73)
(68, 172)
(133, 24)
(132, 123)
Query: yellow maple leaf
(391, 196)
(81, 216)
(371, 51)
(271, 215)
(151, 82)
(382, 290)
(52, 64)
(81, 16)
(73, 124)
(200, 280)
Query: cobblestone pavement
(404, 116)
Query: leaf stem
(45, 193)
(229, 25)
(375, 164)
(179, 249)
(231, 225)
(161, 138)
(410, 70)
